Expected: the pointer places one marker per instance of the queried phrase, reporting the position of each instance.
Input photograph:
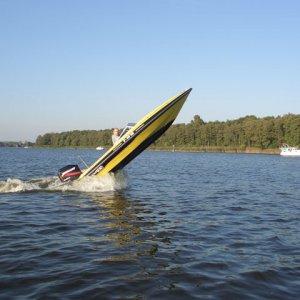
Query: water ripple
(199, 226)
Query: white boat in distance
(286, 150)
(99, 148)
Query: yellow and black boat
(133, 140)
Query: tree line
(16, 144)
(246, 132)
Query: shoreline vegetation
(216, 150)
(248, 134)
(21, 144)
(182, 149)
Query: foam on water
(105, 183)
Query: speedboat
(134, 139)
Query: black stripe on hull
(141, 147)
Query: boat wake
(92, 184)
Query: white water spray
(94, 184)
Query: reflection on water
(119, 217)
(132, 237)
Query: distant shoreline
(217, 150)
(229, 150)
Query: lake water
(171, 226)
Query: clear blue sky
(95, 64)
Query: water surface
(171, 226)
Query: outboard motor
(69, 173)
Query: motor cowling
(69, 173)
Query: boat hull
(290, 153)
(138, 138)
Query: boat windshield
(128, 127)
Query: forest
(239, 134)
